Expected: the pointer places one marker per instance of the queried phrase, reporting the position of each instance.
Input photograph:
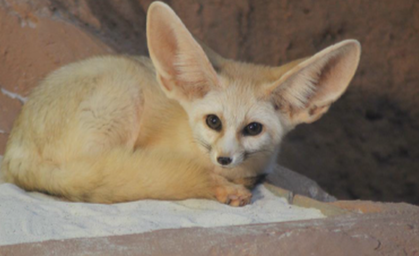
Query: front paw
(233, 195)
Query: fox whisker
(203, 143)
(248, 155)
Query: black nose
(224, 160)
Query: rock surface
(364, 148)
(393, 230)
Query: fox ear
(183, 69)
(305, 92)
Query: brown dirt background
(364, 148)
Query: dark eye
(252, 129)
(214, 122)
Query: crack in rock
(13, 96)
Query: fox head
(237, 110)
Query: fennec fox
(185, 124)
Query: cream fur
(118, 128)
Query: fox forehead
(238, 103)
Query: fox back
(185, 123)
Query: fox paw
(233, 195)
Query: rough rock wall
(365, 147)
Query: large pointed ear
(183, 69)
(305, 92)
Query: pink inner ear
(307, 90)
(332, 79)
(182, 66)
(164, 45)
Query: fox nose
(224, 160)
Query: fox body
(185, 123)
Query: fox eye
(214, 122)
(252, 129)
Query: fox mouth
(244, 156)
(230, 166)
(208, 148)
